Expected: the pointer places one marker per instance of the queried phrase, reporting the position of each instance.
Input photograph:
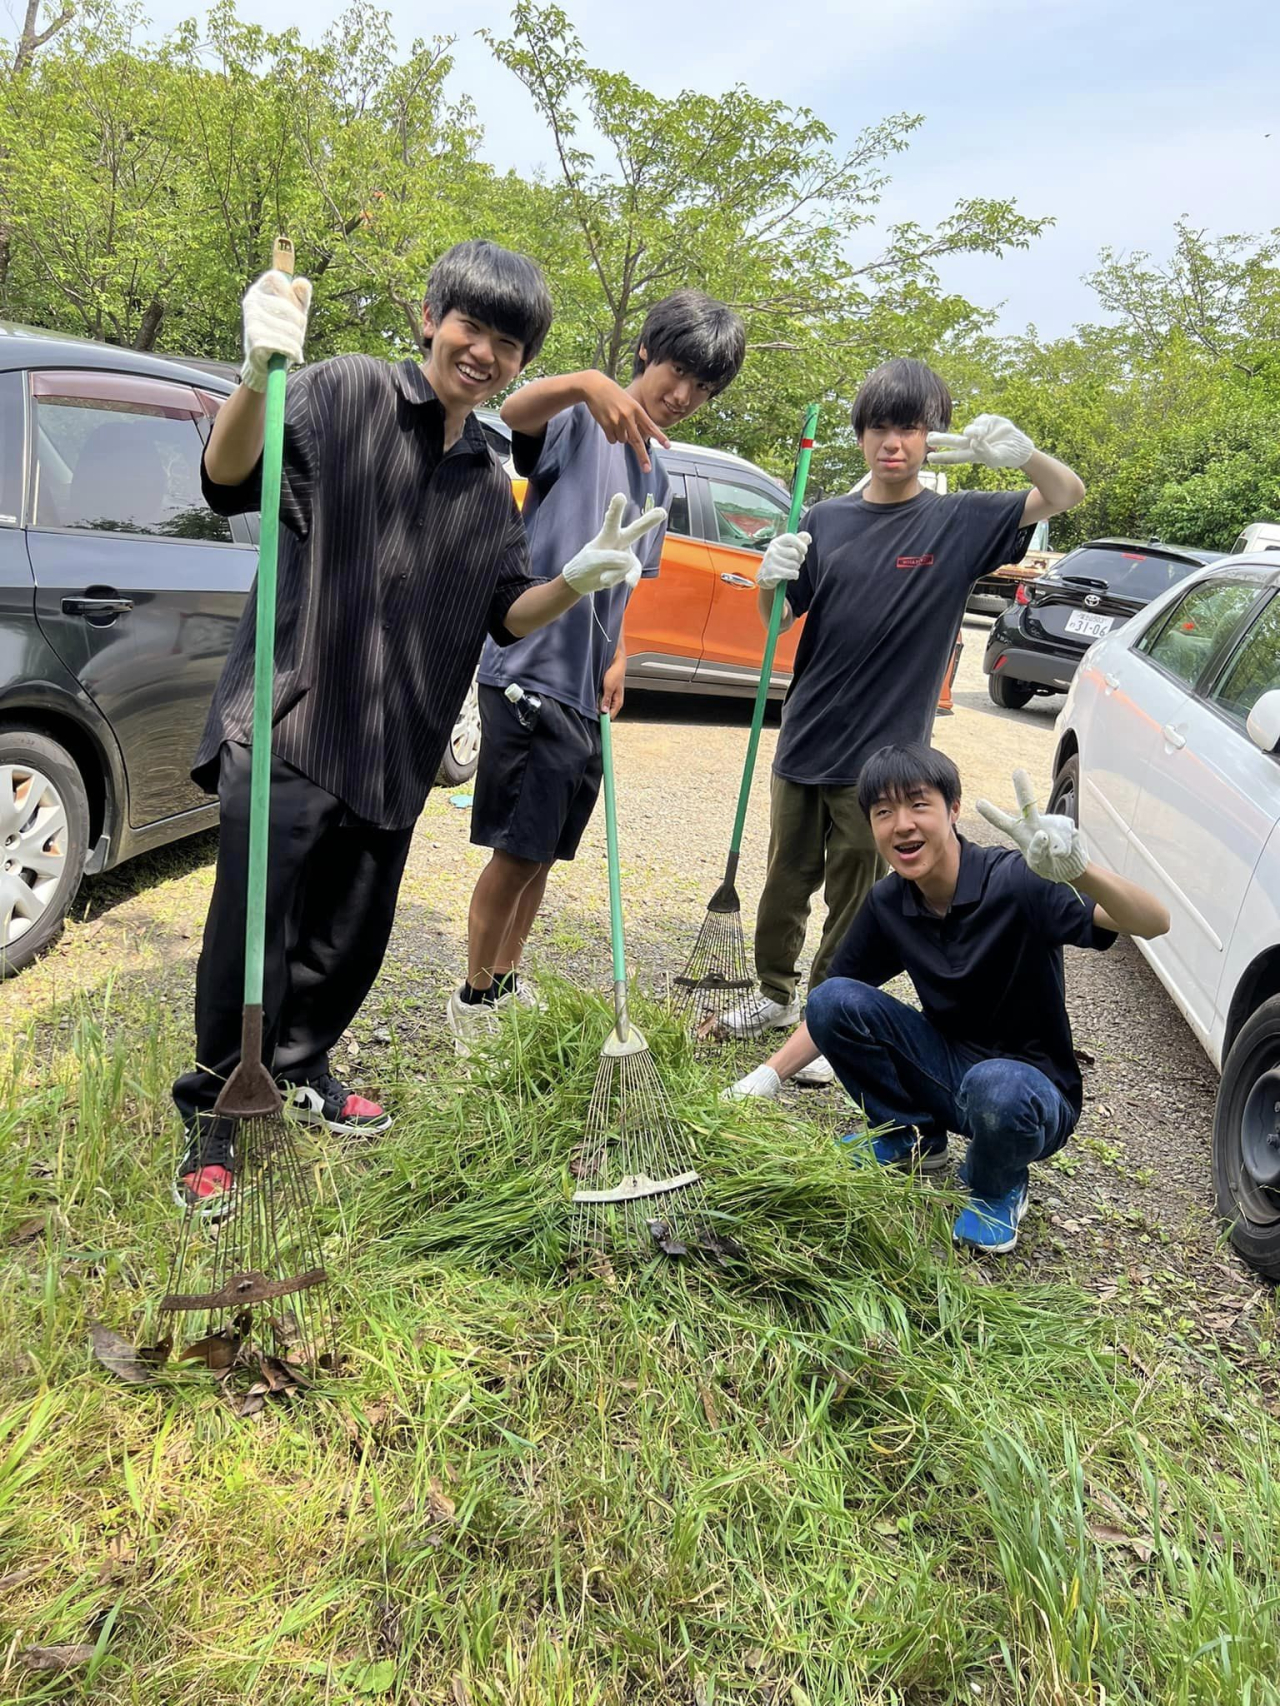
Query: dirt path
(1127, 1209)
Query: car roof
(1187, 553)
(29, 346)
(700, 452)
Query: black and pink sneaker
(206, 1172)
(323, 1101)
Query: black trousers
(332, 885)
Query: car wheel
(1065, 797)
(462, 754)
(1246, 1140)
(1009, 695)
(44, 834)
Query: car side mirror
(1264, 721)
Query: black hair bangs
(897, 772)
(697, 333)
(902, 393)
(495, 286)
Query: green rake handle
(255, 929)
(615, 879)
(771, 641)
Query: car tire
(462, 755)
(1009, 695)
(1246, 1160)
(44, 818)
(1065, 797)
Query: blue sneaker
(991, 1223)
(904, 1152)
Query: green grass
(859, 1469)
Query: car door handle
(1112, 682)
(96, 606)
(737, 580)
(1172, 736)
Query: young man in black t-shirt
(980, 933)
(882, 576)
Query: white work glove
(764, 1082)
(1052, 845)
(783, 559)
(990, 440)
(275, 323)
(609, 558)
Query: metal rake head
(253, 1278)
(638, 1193)
(717, 976)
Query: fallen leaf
(15, 1578)
(57, 1658)
(281, 1376)
(215, 1351)
(460, 1692)
(753, 1659)
(26, 1230)
(121, 1359)
(709, 1028)
(1143, 1550)
(708, 1406)
(440, 1505)
(666, 1241)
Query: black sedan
(1036, 644)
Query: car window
(1136, 574)
(745, 516)
(1255, 668)
(11, 458)
(1185, 638)
(120, 464)
(678, 506)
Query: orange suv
(693, 629)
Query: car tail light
(1022, 596)
(1000, 662)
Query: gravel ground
(1126, 1211)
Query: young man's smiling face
(469, 361)
(894, 454)
(915, 833)
(669, 393)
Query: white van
(1260, 536)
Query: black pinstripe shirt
(396, 558)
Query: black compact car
(1037, 642)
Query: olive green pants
(818, 839)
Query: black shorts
(536, 786)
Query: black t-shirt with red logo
(883, 591)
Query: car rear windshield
(1132, 574)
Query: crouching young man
(980, 932)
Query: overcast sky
(1115, 119)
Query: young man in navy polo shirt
(980, 932)
(881, 576)
(580, 437)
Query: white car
(1168, 756)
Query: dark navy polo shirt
(989, 975)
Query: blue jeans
(907, 1075)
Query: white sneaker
(472, 1023)
(764, 1081)
(525, 994)
(761, 1013)
(817, 1073)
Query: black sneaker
(323, 1101)
(206, 1172)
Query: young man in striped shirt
(400, 548)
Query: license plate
(1094, 626)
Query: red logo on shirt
(916, 562)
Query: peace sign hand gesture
(609, 558)
(990, 439)
(1052, 845)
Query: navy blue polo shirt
(989, 974)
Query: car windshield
(1132, 574)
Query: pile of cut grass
(855, 1468)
